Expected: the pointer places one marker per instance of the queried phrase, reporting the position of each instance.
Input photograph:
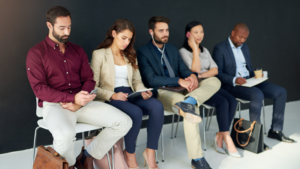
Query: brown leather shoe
(72, 167)
(88, 164)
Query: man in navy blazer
(233, 59)
(161, 65)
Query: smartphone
(188, 34)
(94, 91)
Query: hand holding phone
(191, 41)
(188, 34)
(94, 91)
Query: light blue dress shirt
(241, 69)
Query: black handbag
(248, 135)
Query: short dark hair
(152, 21)
(55, 12)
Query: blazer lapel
(110, 60)
(156, 58)
(247, 59)
(231, 55)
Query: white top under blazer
(121, 76)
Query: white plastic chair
(247, 101)
(79, 128)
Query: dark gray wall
(273, 42)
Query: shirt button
(70, 91)
(69, 84)
(28, 68)
(67, 72)
(65, 61)
(54, 48)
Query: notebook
(253, 81)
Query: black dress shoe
(200, 164)
(188, 112)
(278, 135)
(266, 147)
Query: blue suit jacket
(151, 69)
(224, 58)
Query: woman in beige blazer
(117, 75)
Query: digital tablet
(137, 93)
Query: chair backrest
(38, 109)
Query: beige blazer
(103, 67)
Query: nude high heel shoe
(126, 161)
(235, 154)
(146, 160)
(218, 149)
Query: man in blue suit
(233, 59)
(161, 66)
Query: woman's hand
(192, 43)
(120, 96)
(146, 95)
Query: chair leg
(108, 160)
(204, 133)
(240, 115)
(177, 126)
(34, 143)
(83, 143)
(156, 156)
(162, 145)
(263, 102)
(172, 126)
(212, 112)
(112, 158)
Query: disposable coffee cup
(258, 73)
(265, 73)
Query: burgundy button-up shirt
(55, 76)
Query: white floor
(281, 155)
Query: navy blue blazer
(151, 69)
(224, 58)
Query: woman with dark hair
(199, 60)
(117, 75)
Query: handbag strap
(243, 131)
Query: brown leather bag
(48, 158)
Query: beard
(160, 41)
(60, 38)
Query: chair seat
(145, 117)
(207, 106)
(168, 113)
(79, 128)
(242, 101)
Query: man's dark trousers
(256, 95)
